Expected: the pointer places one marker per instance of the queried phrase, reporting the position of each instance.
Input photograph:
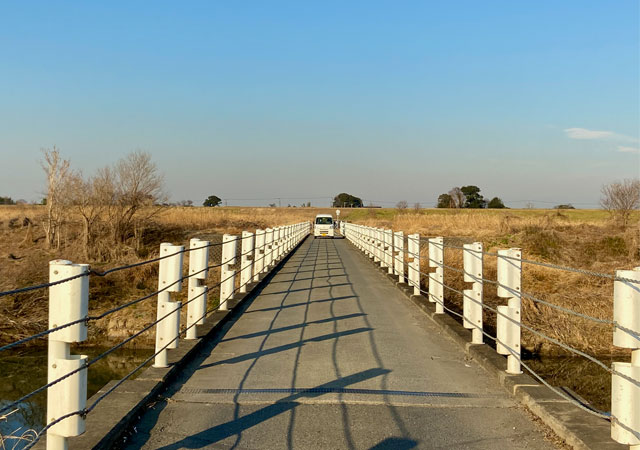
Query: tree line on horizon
(468, 197)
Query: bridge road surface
(328, 356)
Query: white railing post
(246, 260)
(472, 303)
(398, 255)
(509, 318)
(227, 274)
(378, 246)
(68, 302)
(436, 279)
(268, 249)
(277, 244)
(388, 245)
(625, 394)
(258, 260)
(413, 250)
(197, 294)
(168, 313)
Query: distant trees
(344, 200)
(6, 201)
(473, 198)
(212, 200)
(495, 203)
(444, 201)
(467, 197)
(417, 206)
(564, 206)
(402, 205)
(620, 198)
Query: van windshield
(324, 220)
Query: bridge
(324, 343)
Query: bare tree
(90, 198)
(130, 191)
(58, 176)
(417, 206)
(402, 205)
(621, 198)
(457, 198)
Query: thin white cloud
(627, 149)
(583, 133)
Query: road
(330, 355)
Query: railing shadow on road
(238, 424)
(396, 441)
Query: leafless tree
(402, 205)
(457, 198)
(417, 206)
(90, 198)
(134, 188)
(58, 176)
(620, 198)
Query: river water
(23, 371)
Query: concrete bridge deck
(330, 355)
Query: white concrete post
(227, 273)
(258, 260)
(168, 312)
(268, 249)
(288, 239)
(388, 245)
(68, 302)
(197, 294)
(625, 394)
(472, 303)
(436, 279)
(508, 331)
(367, 241)
(277, 244)
(398, 255)
(377, 246)
(246, 260)
(413, 253)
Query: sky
(253, 101)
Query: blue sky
(385, 100)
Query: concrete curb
(107, 423)
(578, 428)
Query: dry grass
(584, 239)
(576, 238)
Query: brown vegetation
(580, 239)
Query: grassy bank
(583, 239)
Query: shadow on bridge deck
(330, 355)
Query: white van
(323, 226)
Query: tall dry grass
(577, 239)
(581, 239)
